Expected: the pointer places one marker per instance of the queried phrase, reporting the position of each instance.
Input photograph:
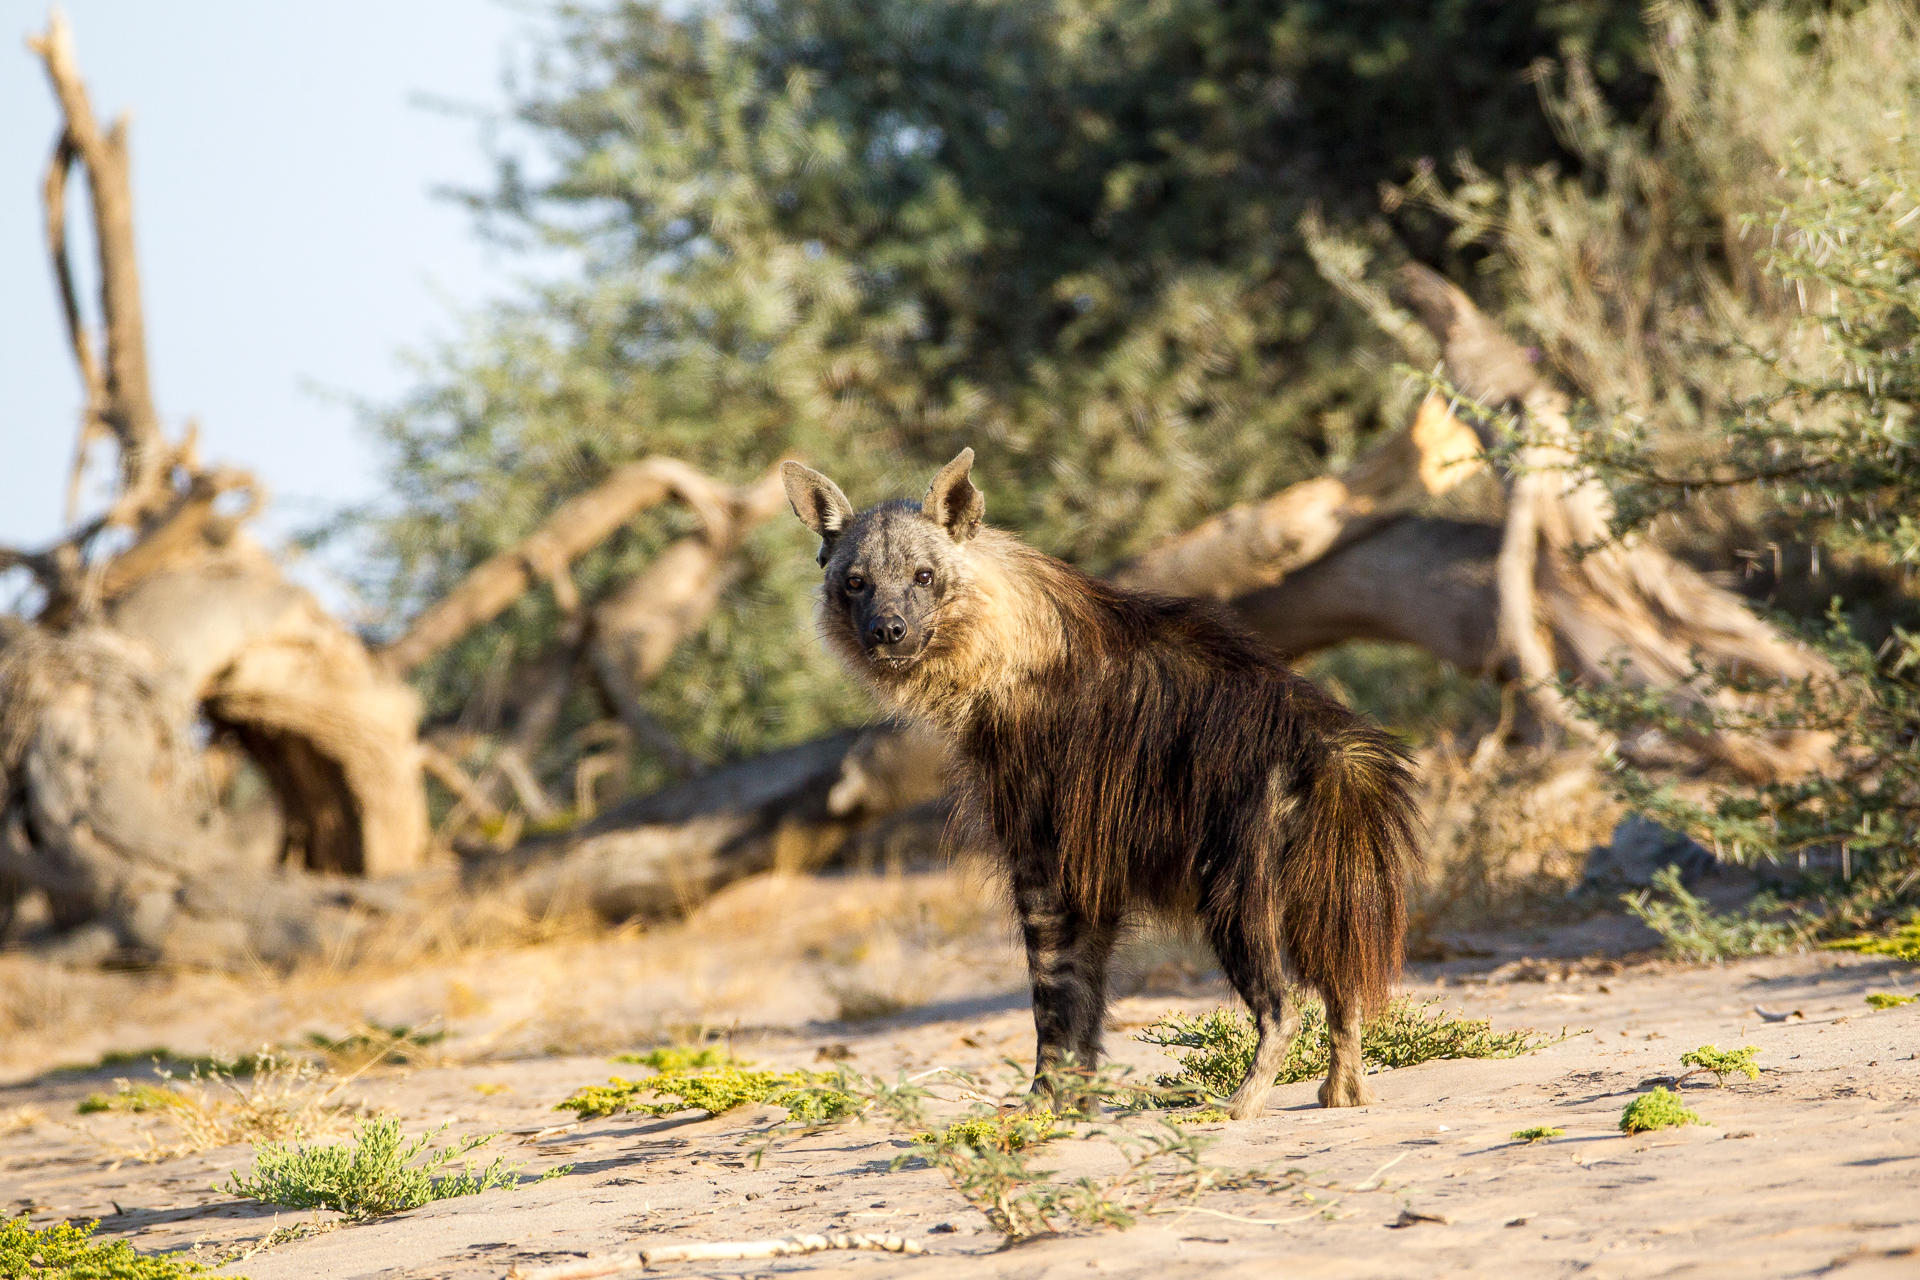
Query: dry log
(635, 630)
(660, 855)
(1573, 601)
(1253, 546)
(580, 524)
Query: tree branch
(120, 398)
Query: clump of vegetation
(1538, 1133)
(279, 1100)
(683, 1058)
(372, 1045)
(1901, 941)
(1162, 1168)
(1694, 932)
(1661, 1109)
(66, 1252)
(1888, 1000)
(379, 1173)
(1721, 1063)
(133, 1097)
(1010, 1131)
(1218, 1046)
(810, 1096)
(160, 1056)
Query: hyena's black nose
(887, 629)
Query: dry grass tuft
(283, 1099)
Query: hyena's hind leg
(1346, 1083)
(1067, 957)
(1256, 974)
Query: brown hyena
(1130, 753)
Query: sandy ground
(1812, 1169)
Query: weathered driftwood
(164, 655)
(1573, 601)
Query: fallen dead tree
(167, 651)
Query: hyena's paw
(1345, 1090)
(1245, 1106)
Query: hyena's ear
(952, 502)
(818, 502)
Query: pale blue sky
(288, 235)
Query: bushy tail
(1343, 882)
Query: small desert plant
(375, 1175)
(989, 1158)
(1162, 1167)
(1888, 1000)
(1901, 941)
(810, 1096)
(1693, 931)
(1721, 1063)
(1661, 1109)
(65, 1252)
(999, 1132)
(127, 1096)
(281, 1099)
(683, 1058)
(372, 1045)
(1219, 1045)
(1538, 1133)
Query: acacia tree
(868, 232)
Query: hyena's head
(890, 568)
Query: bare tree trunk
(1574, 602)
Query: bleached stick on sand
(733, 1250)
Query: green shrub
(1538, 1133)
(1661, 1109)
(1721, 1063)
(65, 1252)
(132, 1097)
(809, 1096)
(1694, 932)
(1901, 941)
(1218, 1045)
(683, 1058)
(373, 1176)
(1887, 1000)
(1001, 1132)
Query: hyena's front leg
(1067, 965)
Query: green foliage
(66, 1252)
(1538, 1133)
(175, 1063)
(1901, 941)
(131, 1097)
(1218, 1045)
(1888, 1000)
(683, 1058)
(1010, 1131)
(1661, 1109)
(379, 1173)
(1693, 931)
(868, 233)
(1721, 1063)
(810, 1096)
(374, 1044)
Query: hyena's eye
(856, 583)
(924, 577)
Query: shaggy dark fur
(1131, 753)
